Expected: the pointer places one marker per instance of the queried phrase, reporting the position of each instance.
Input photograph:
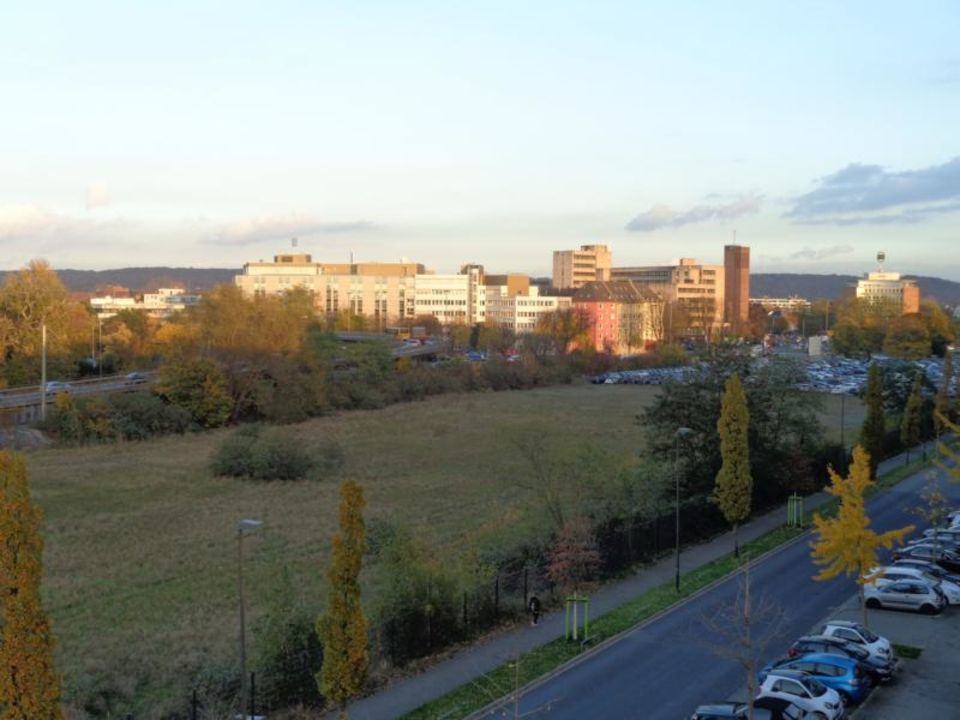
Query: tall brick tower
(736, 276)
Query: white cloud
(661, 216)
(284, 227)
(97, 196)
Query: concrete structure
(736, 285)
(695, 288)
(785, 304)
(521, 311)
(383, 291)
(889, 287)
(459, 298)
(624, 315)
(575, 268)
(160, 304)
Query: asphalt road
(668, 667)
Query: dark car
(879, 670)
(767, 708)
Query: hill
(832, 286)
(140, 279)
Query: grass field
(140, 540)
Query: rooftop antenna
(881, 256)
(351, 257)
(734, 237)
(294, 242)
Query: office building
(521, 311)
(459, 298)
(575, 268)
(891, 288)
(736, 285)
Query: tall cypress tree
(343, 628)
(29, 685)
(912, 416)
(734, 485)
(874, 429)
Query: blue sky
(209, 134)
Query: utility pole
(43, 371)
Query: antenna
(351, 257)
(734, 237)
(881, 256)
(293, 242)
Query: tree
(935, 506)
(734, 485)
(939, 326)
(907, 338)
(574, 559)
(343, 628)
(846, 543)
(874, 429)
(198, 385)
(29, 684)
(568, 327)
(912, 417)
(943, 405)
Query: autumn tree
(934, 508)
(846, 543)
(198, 385)
(943, 404)
(29, 684)
(343, 628)
(907, 337)
(910, 422)
(734, 485)
(874, 429)
(568, 327)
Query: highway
(26, 396)
(663, 670)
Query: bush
(140, 415)
(273, 454)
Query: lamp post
(244, 526)
(681, 432)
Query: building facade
(736, 284)
(623, 315)
(521, 311)
(459, 298)
(695, 288)
(576, 268)
(160, 304)
(793, 303)
(889, 287)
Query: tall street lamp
(247, 525)
(681, 432)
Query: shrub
(140, 415)
(271, 454)
(235, 456)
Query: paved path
(472, 662)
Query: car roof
(789, 673)
(720, 707)
(827, 658)
(842, 623)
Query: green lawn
(140, 549)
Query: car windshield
(815, 687)
(857, 652)
(868, 636)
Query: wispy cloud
(822, 253)
(36, 224)
(856, 195)
(284, 227)
(97, 196)
(661, 216)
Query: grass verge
(910, 652)
(511, 677)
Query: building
(575, 268)
(625, 316)
(459, 298)
(160, 304)
(383, 291)
(694, 288)
(791, 304)
(521, 311)
(891, 288)
(736, 284)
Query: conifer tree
(912, 411)
(734, 485)
(874, 429)
(343, 628)
(29, 684)
(846, 543)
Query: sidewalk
(410, 693)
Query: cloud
(856, 194)
(97, 196)
(661, 216)
(822, 253)
(284, 227)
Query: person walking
(534, 608)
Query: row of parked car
(822, 675)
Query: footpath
(472, 662)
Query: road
(22, 397)
(666, 668)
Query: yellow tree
(846, 543)
(343, 628)
(29, 685)
(948, 458)
(734, 486)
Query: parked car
(815, 698)
(894, 573)
(917, 595)
(947, 559)
(879, 670)
(929, 567)
(856, 633)
(57, 386)
(767, 708)
(843, 674)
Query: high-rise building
(575, 268)
(459, 298)
(736, 281)
(892, 288)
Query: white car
(819, 701)
(57, 386)
(854, 632)
(906, 595)
(895, 573)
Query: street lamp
(681, 432)
(246, 525)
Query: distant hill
(812, 287)
(140, 279)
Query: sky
(209, 134)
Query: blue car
(843, 674)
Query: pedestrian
(534, 608)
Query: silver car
(906, 595)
